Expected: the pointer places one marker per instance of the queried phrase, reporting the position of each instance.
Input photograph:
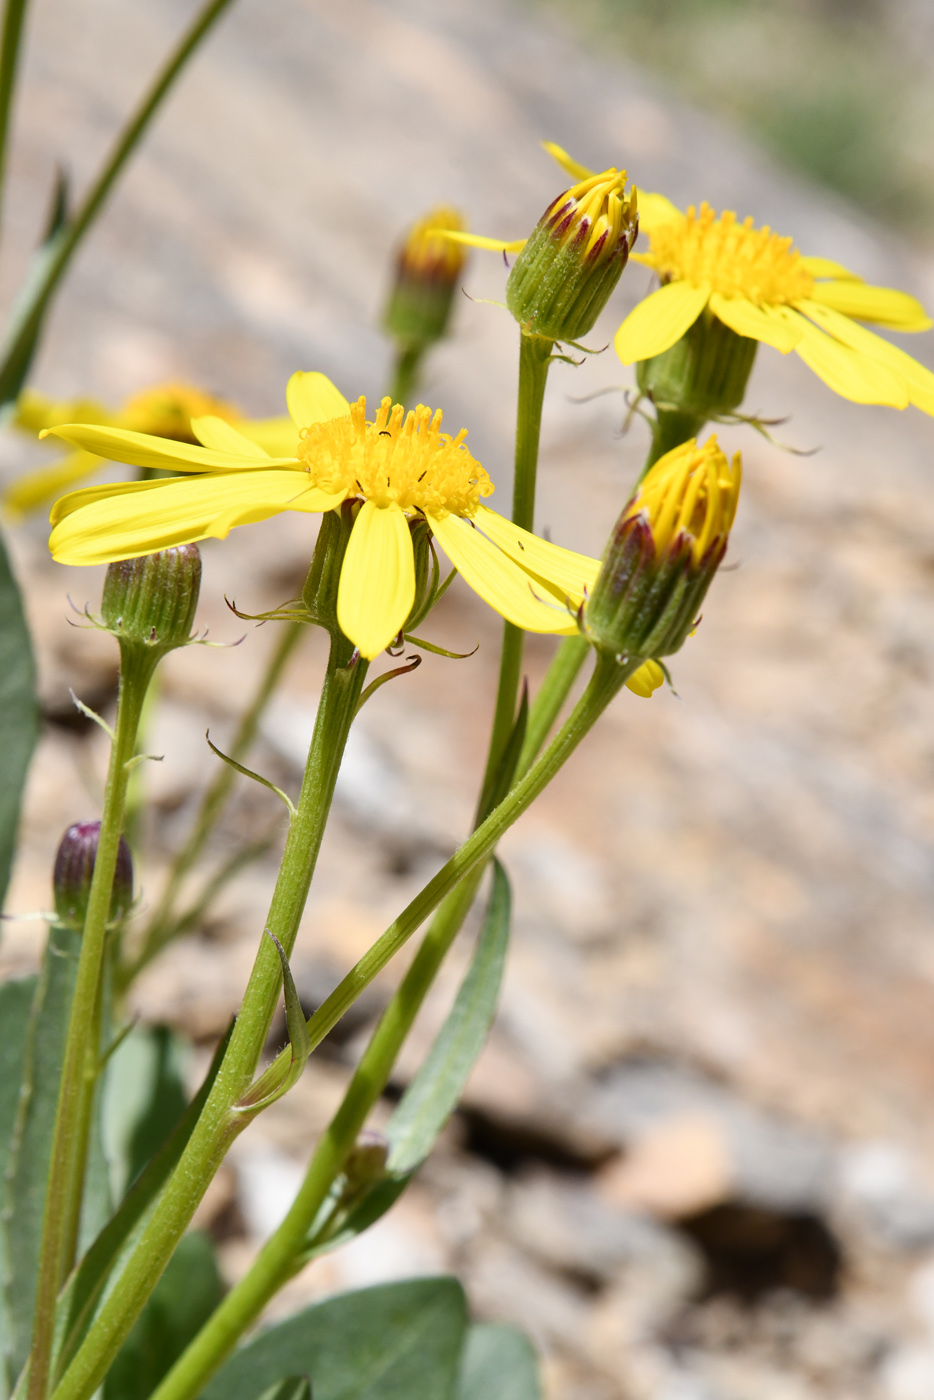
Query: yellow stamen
(594, 208)
(729, 257)
(402, 459)
(692, 491)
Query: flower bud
(564, 275)
(150, 602)
(663, 553)
(428, 269)
(74, 867)
(704, 374)
(366, 1163)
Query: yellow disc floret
(595, 208)
(691, 491)
(402, 459)
(729, 257)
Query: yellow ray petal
(755, 322)
(277, 436)
(99, 525)
(826, 267)
(220, 436)
(36, 488)
(659, 320)
(312, 398)
(654, 210)
(918, 380)
(848, 373)
(478, 240)
(573, 167)
(142, 450)
(377, 585)
(885, 305)
(499, 582)
(567, 573)
(647, 679)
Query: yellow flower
(572, 260)
(398, 469)
(166, 410)
(428, 268)
(761, 287)
(665, 549)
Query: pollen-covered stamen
(400, 458)
(730, 257)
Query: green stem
(216, 1127)
(534, 360)
(163, 925)
(277, 1259)
(24, 327)
(64, 1165)
(13, 14)
(670, 429)
(554, 690)
(405, 374)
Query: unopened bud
(663, 553)
(564, 275)
(366, 1162)
(428, 269)
(74, 869)
(150, 602)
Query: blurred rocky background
(696, 1161)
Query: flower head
(165, 410)
(762, 288)
(398, 472)
(666, 547)
(428, 268)
(572, 260)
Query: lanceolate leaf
(16, 1000)
(498, 1361)
(431, 1098)
(433, 1095)
(19, 712)
(399, 1341)
(27, 1170)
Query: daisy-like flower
(165, 410)
(756, 283)
(398, 469)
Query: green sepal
(703, 375)
(285, 1071)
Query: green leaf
(19, 712)
(28, 1166)
(498, 1361)
(499, 779)
(284, 1071)
(86, 1285)
(292, 1388)
(398, 1341)
(144, 1100)
(433, 1095)
(181, 1303)
(16, 1000)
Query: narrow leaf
(83, 1290)
(398, 1341)
(16, 1000)
(434, 1092)
(292, 1388)
(282, 1073)
(181, 1303)
(28, 1166)
(19, 712)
